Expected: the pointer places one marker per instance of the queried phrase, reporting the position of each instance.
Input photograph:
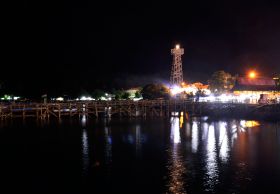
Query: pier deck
(128, 108)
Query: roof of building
(256, 84)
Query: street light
(252, 74)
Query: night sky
(76, 46)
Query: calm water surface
(140, 156)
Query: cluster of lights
(191, 88)
(229, 98)
(8, 97)
(249, 124)
(176, 90)
(85, 98)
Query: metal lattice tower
(176, 77)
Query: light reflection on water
(224, 142)
(175, 130)
(85, 151)
(138, 142)
(211, 177)
(176, 167)
(108, 146)
(201, 154)
(204, 156)
(215, 140)
(194, 136)
(85, 146)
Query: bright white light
(136, 99)
(194, 136)
(206, 91)
(16, 98)
(174, 113)
(59, 99)
(175, 130)
(211, 98)
(211, 165)
(84, 120)
(85, 148)
(177, 46)
(175, 90)
(224, 144)
(86, 98)
(225, 98)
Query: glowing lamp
(252, 75)
(177, 46)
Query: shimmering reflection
(211, 160)
(108, 145)
(223, 141)
(181, 120)
(194, 136)
(85, 151)
(249, 124)
(84, 120)
(176, 168)
(175, 130)
(138, 138)
(188, 130)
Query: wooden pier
(128, 108)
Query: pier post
(59, 113)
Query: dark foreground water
(140, 156)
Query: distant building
(253, 88)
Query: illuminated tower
(176, 77)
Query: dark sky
(69, 46)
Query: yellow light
(252, 124)
(177, 46)
(181, 120)
(183, 84)
(252, 74)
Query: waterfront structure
(129, 108)
(176, 77)
(253, 88)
